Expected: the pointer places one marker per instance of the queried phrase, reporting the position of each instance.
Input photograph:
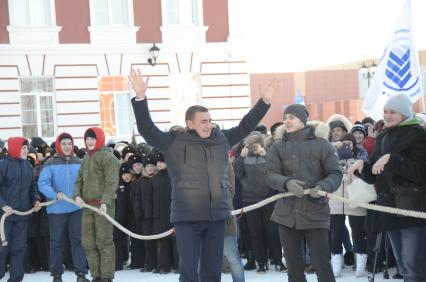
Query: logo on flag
(398, 71)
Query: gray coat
(198, 167)
(251, 171)
(304, 156)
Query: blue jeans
(409, 248)
(230, 251)
(58, 223)
(200, 248)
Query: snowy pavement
(251, 276)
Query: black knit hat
(299, 111)
(65, 136)
(39, 144)
(261, 128)
(360, 128)
(149, 159)
(128, 149)
(90, 133)
(337, 123)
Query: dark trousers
(67, 252)
(16, 236)
(58, 224)
(359, 237)
(317, 239)
(264, 235)
(245, 234)
(165, 253)
(121, 251)
(200, 247)
(150, 246)
(137, 253)
(37, 254)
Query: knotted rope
(274, 198)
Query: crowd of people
(190, 178)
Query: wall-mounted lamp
(153, 51)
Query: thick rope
(391, 210)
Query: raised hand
(267, 92)
(139, 85)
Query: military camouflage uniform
(96, 183)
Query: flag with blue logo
(298, 99)
(398, 71)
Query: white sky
(298, 35)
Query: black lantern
(153, 51)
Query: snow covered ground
(251, 276)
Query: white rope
(391, 210)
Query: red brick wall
(216, 18)
(4, 22)
(147, 15)
(74, 17)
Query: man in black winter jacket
(197, 161)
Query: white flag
(398, 71)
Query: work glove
(314, 192)
(297, 187)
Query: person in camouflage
(96, 185)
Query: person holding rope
(197, 161)
(398, 170)
(303, 159)
(96, 184)
(18, 191)
(57, 179)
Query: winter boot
(261, 268)
(280, 267)
(250, 265)
(349, 258)
(337, 263)
(96, 279)
(57, 278)
(361, 262)
(81, 277)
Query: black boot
(261, 268)
(96, 279)
(280, 267)
(57, 278)
(81, 277)
(349, 258)
(250, 265)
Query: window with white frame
(110, 12)
(115, 106)
(182, 12)
(31, 12)
(37, 107)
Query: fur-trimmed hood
(339, 119)
(321, 130)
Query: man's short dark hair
(191, 111)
